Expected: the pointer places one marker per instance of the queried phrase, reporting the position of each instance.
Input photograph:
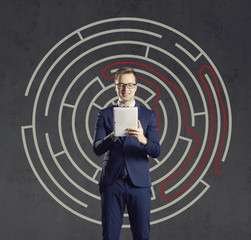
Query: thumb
(139, 123)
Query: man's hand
(137, 133)
(114, 138)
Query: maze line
(165, 122)
(188, 53)
(121, 30)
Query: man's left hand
(137, 133)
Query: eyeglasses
(128, 85)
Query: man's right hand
(114, 138)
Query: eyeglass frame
(122, 85)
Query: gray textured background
(29, 28)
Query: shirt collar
(119, 104)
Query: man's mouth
(125, 94)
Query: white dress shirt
(119, 104)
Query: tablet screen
(124, 117)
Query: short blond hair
(124, 70)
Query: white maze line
(59, 153)
(150, 98)
(97, 106)
(207, 186)
(119, 30)
(185, 139)
(49, 174)
(165, 122)
(147, 51)
(199, 113)
(153, 194)
(100, 82)
(156, 160)
(218, 116)
(96, 174)
(64, 173)
(69, 105)
(27, 127)
(188, 53)
(80, 36)
(218, 125)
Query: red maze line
(183, 104)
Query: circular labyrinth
(176, 79)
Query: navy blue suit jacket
(131, 151)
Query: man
(125, 178)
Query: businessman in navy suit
(125, 178)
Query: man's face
(126, 95)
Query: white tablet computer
(124, 117)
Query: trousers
(114, 198)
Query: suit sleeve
(152, 147)
(102, 142)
